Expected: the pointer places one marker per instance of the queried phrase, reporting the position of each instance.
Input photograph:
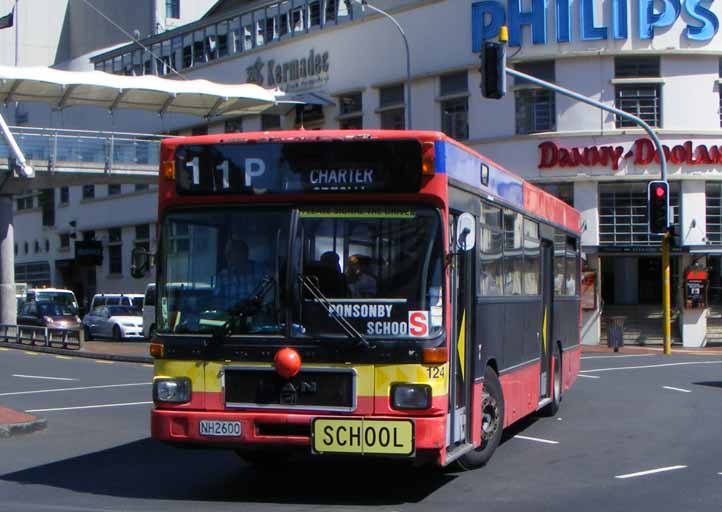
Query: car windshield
(66, 299)
(63, 298)
(55, 309)
(123, 311)
(137, 302)
(221, 268)
(380, 269)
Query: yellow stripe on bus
(435, 376)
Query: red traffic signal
(658, 206)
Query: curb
(14, 429)
(126, 358)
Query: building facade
(658, 60)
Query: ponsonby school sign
(642, 152)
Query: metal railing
(43, 336)
(86, 150)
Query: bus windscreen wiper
(244, 307)
(344, 324)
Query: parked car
(49, 314)
(117, 322)
(134, 300)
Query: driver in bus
(240, 277)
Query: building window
(115, 251)
(142, 236)
(113, 190)
(65, 241)
(233, 125)
(141, 187)
(88, 191)
(25, 247)
(25, 202)
(714, 212)
(392, 107)
(350, 108)
(88, 235)
(535, 106)
(455, 105)
(37, 247)
(270, 122)
(64, 195)
(638, 98)
(172, 9)
(563, 191)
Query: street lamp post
(407, 86)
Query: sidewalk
(127, 351)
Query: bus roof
(456, 160)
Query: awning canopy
(63, 89)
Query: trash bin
(615, 332)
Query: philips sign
(487, 16)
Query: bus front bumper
(258, 429)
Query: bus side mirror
(465, 232)
(140, 261)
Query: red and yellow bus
(384, 293)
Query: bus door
(460, 369)
(546, 337)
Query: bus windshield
(378, 269)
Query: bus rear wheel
(492, 422)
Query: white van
(134, 300)
(149, 311)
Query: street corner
(14, 423)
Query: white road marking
(536, 439)
(650, 472)
(617, 357)
(648, 366)
(589, 376)
(677, 389)
(62, 357)
(103, 361)
(41, 377)
(76, 389)
(87, 407)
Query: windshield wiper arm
(344, 324)
(244, 307)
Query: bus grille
(313, 389)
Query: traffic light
(492, 69)
(658, 206)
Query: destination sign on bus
(292, 167)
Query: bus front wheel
(492, 422)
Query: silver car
(116, 322)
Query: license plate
(363, 436)
(220, 428)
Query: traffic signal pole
(667, 328)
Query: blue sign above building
(487, 16)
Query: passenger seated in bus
(330, 278)
(361, 282)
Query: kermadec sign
(701, 20)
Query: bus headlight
(176, 390)
(410, 396)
